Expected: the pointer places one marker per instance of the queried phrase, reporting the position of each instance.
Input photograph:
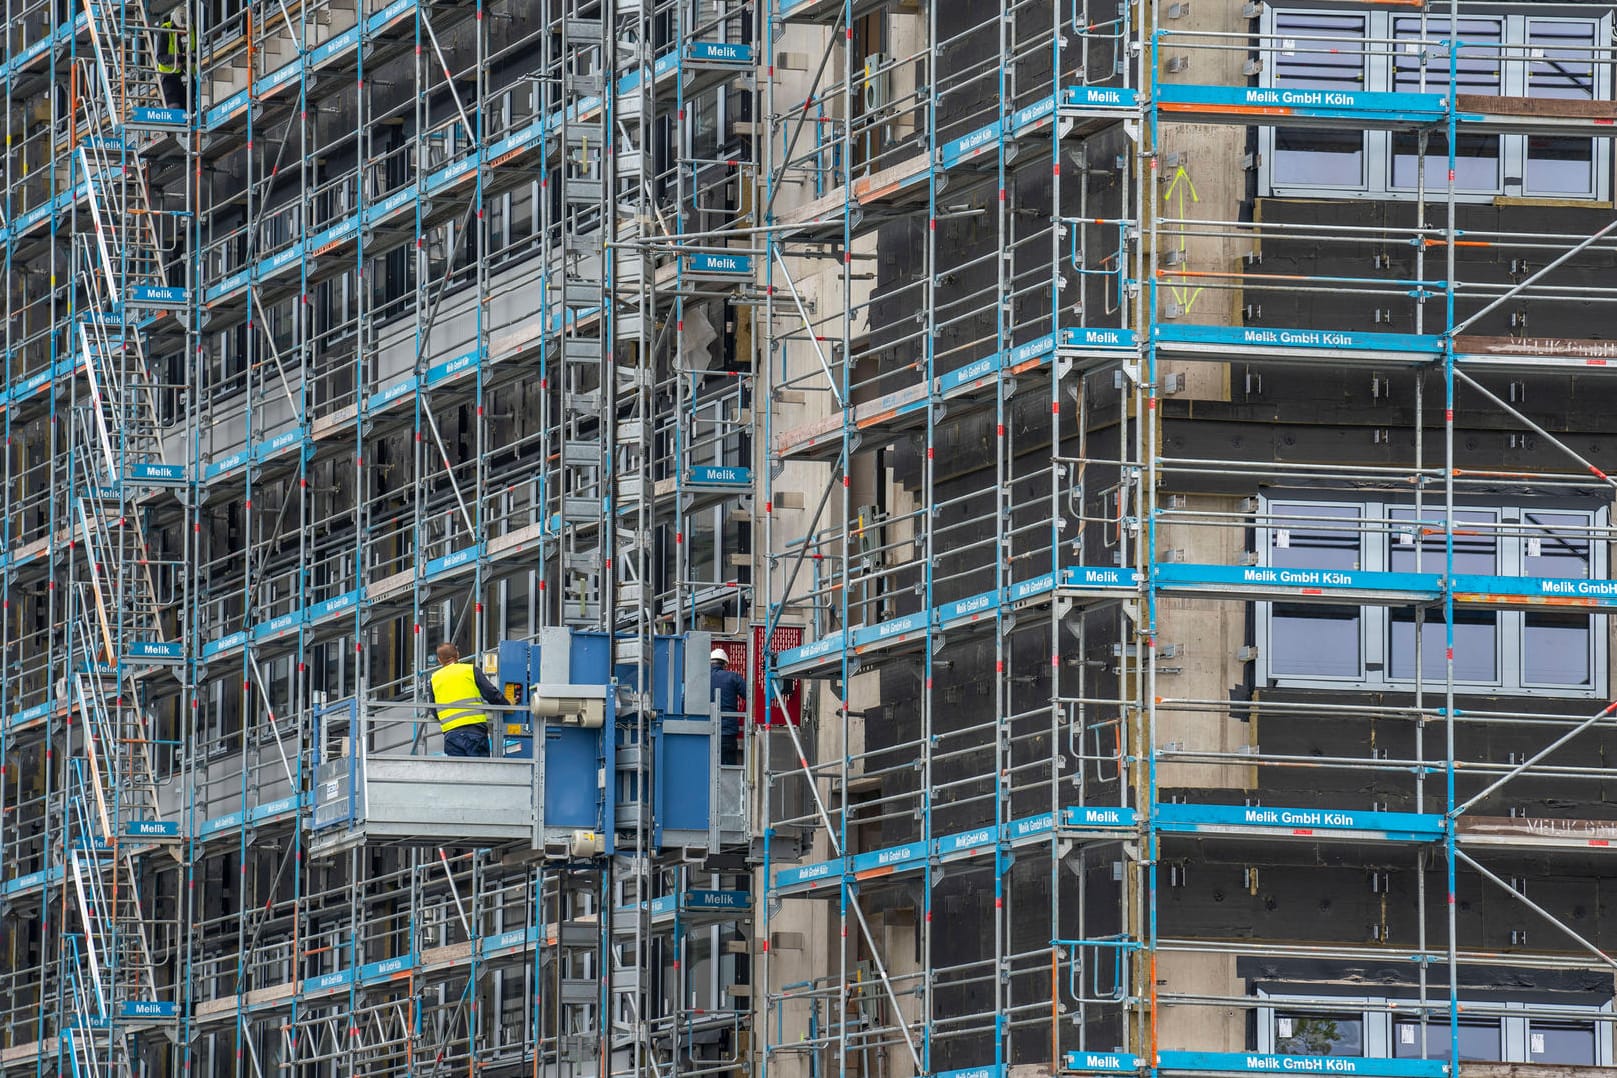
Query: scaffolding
(1039, 400)
(359, 327)
(1062, 553)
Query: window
(522, 212)
(1515, 56)
(1570, 1043)
(704, 123)
(1424, 68)
(1383, 1027)
(1561, 65)
(1310, 59)
(1314, 638)
(1553, 651)
(1476, 161)
(1479, 1039)
(1318, 1034)
(1534, 651)
(1476, 632)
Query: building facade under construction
(1145, 457)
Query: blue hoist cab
(576, 773)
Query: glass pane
(522, 101)
(1314, 536)
(1561, 59)
(1331, 158)
(1309, 640)
(1476, 633)
(1555, 544)
(1315, 641)
(1476, 645)
(704, 112)
(1560, 166)
(522, 212)
(1421, 62)
(1476, 161)
(1479, 1040)
(1476, 542)
(1555, 649)
(1555, 646)
(1319, 51)
(1571, 1043)
(1318, 1035)
(704, 545)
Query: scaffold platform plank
(1309, 824)
(1079, 582)
(1096, 822)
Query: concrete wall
(1199, 1028)
(804, 942)
(1205, 635)
(1198, 175)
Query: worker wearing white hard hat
(176, 45)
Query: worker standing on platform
(730, 690)
(454, 685)
(176, 44)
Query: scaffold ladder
(124, 41)
(570, 976)
(631, 291)
(115, 967)
(122, 265)
(121, 610)
(580, 295)
(88, 1045)
(118, 752)
(630, 970)
(133, 244)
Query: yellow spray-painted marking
(1183, 186)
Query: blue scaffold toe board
(1314, 824)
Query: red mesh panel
(783, 638)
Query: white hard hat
(720, 655)
(178, 16)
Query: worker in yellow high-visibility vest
(456, 686)
(176, 44)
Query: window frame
(1515, 81)
(1343, 1017)
(1375, 621)
(1497, 1024)
(1379, 1018)
(1367, 561)
(1505, 653)
(1562, 1022)
(1373, 1042)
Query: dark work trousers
(467, 741)
(176, 93)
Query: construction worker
(454, 685)
(730, 690)
(176, 43)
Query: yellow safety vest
(457, 684)
(170, 49)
